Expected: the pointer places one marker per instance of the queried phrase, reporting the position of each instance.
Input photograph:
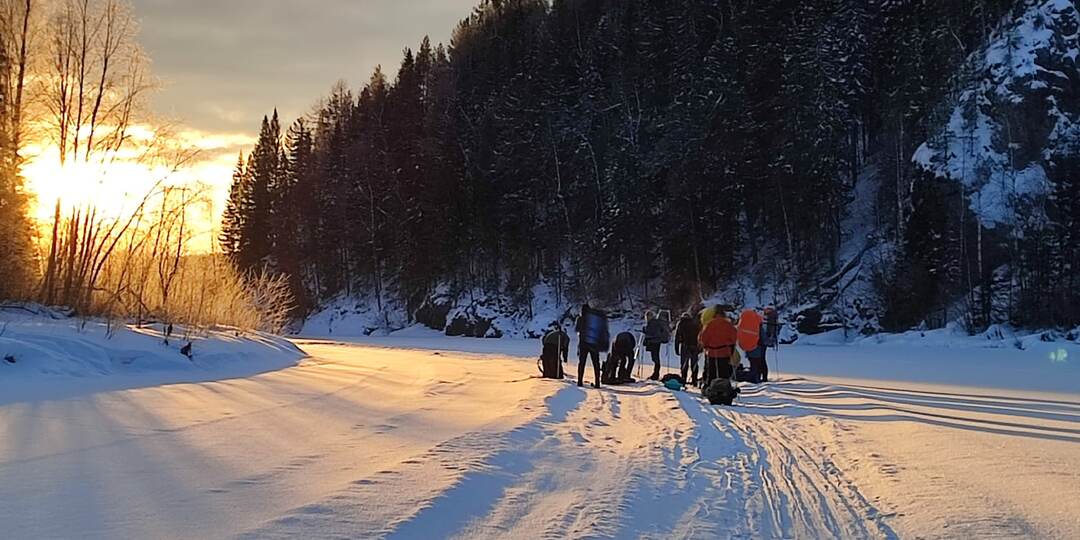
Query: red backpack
(719, 337)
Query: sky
(226, 63)
(223, 64)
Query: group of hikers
(714, 332)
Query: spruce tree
(231, 238)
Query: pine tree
(232, 220)
(264, 172)
(293, 203)
(610, 146)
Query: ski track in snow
(379, 443)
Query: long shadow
(893, 403)
(477, 493)
(947, 397)
(1069, 404)
(719, 440)
(620, 391)
(112, 472)
(938, 403)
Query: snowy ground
(47, 355)
(401, 437)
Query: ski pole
(777, 360)
(667, 353)
(640, 340)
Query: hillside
(859, 164)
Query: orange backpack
(718, 338)
(749, 330)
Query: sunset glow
(116, 189)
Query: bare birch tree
(93, 94)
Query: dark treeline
(614, 148)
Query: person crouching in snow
(686, 346)
(657, 333)
(718, 339)
(620, 362)
(556, 350)
(593, 338)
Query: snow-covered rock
(1017, 111)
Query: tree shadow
(1010, 416)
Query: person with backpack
(759, 372)
(718, 339)
(657, 333)
(687, 347)
(620, 362)
(555, 351)
(751, 325)
(770, 338)
(593, 338)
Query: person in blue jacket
(593, 338)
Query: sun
(116, 190)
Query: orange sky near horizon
(116, 190)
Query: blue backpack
(595, 330)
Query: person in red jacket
(718, 340)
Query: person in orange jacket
(718, 339)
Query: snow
(358, 316)
(995, 359)
(1014, 74)
(416, 435)
(354, 317)
(46, 355)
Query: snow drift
(45, 353)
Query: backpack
(657, 332)
(557, 338)
(749, 330)
(594, 330)
(625, 343)
(720, 392)
(665, 331)
(549, 363)
(771, 336)
(673, 377)
(719, 338)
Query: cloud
(227, 63)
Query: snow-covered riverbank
(46, 355)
